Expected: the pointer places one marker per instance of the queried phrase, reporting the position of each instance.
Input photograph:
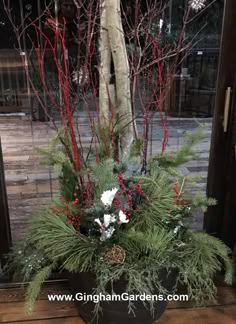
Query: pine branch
(104, 177)
(60, 241)
(155, 244)
(202, 258)
(34, 287)
(184, 154)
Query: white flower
(122, 217)
(109, 219)
(106, 232)
(197, 4)
(97, 220)
(108, 196)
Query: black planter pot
(116, 312)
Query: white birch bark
(105, 66)
(122, 74)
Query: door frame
(220, 220)
(5, 230)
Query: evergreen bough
(156, 237)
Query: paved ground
(30, 185)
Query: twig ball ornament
(115, 255)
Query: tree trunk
(122, 75)
(105, 66)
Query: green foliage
(137, 147)
(159, 189)
(24, 261)
(54, 155)
(104, 177)
(202, 257)
(184, 154)
(140, 280)
(151, 247)
(156, 238)
(201, 200)
(61, 243)
(68, 181)
(104, 132)
(57, 158)
(34, 287)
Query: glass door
(193, 91)
(191, 104)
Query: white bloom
(106, 232)
(97, 220)
(109, 219)
(108, 196)
(122, 217)
(197, 4)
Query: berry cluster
(128, 193)
(76, 200)
(130, 197)
(138, 189)
(117, 201)
(67, 210)
(121, 180)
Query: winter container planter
(116, 311)
(124, 226)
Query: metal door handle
(226, 110)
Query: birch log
(105, 66)
(122, 74)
